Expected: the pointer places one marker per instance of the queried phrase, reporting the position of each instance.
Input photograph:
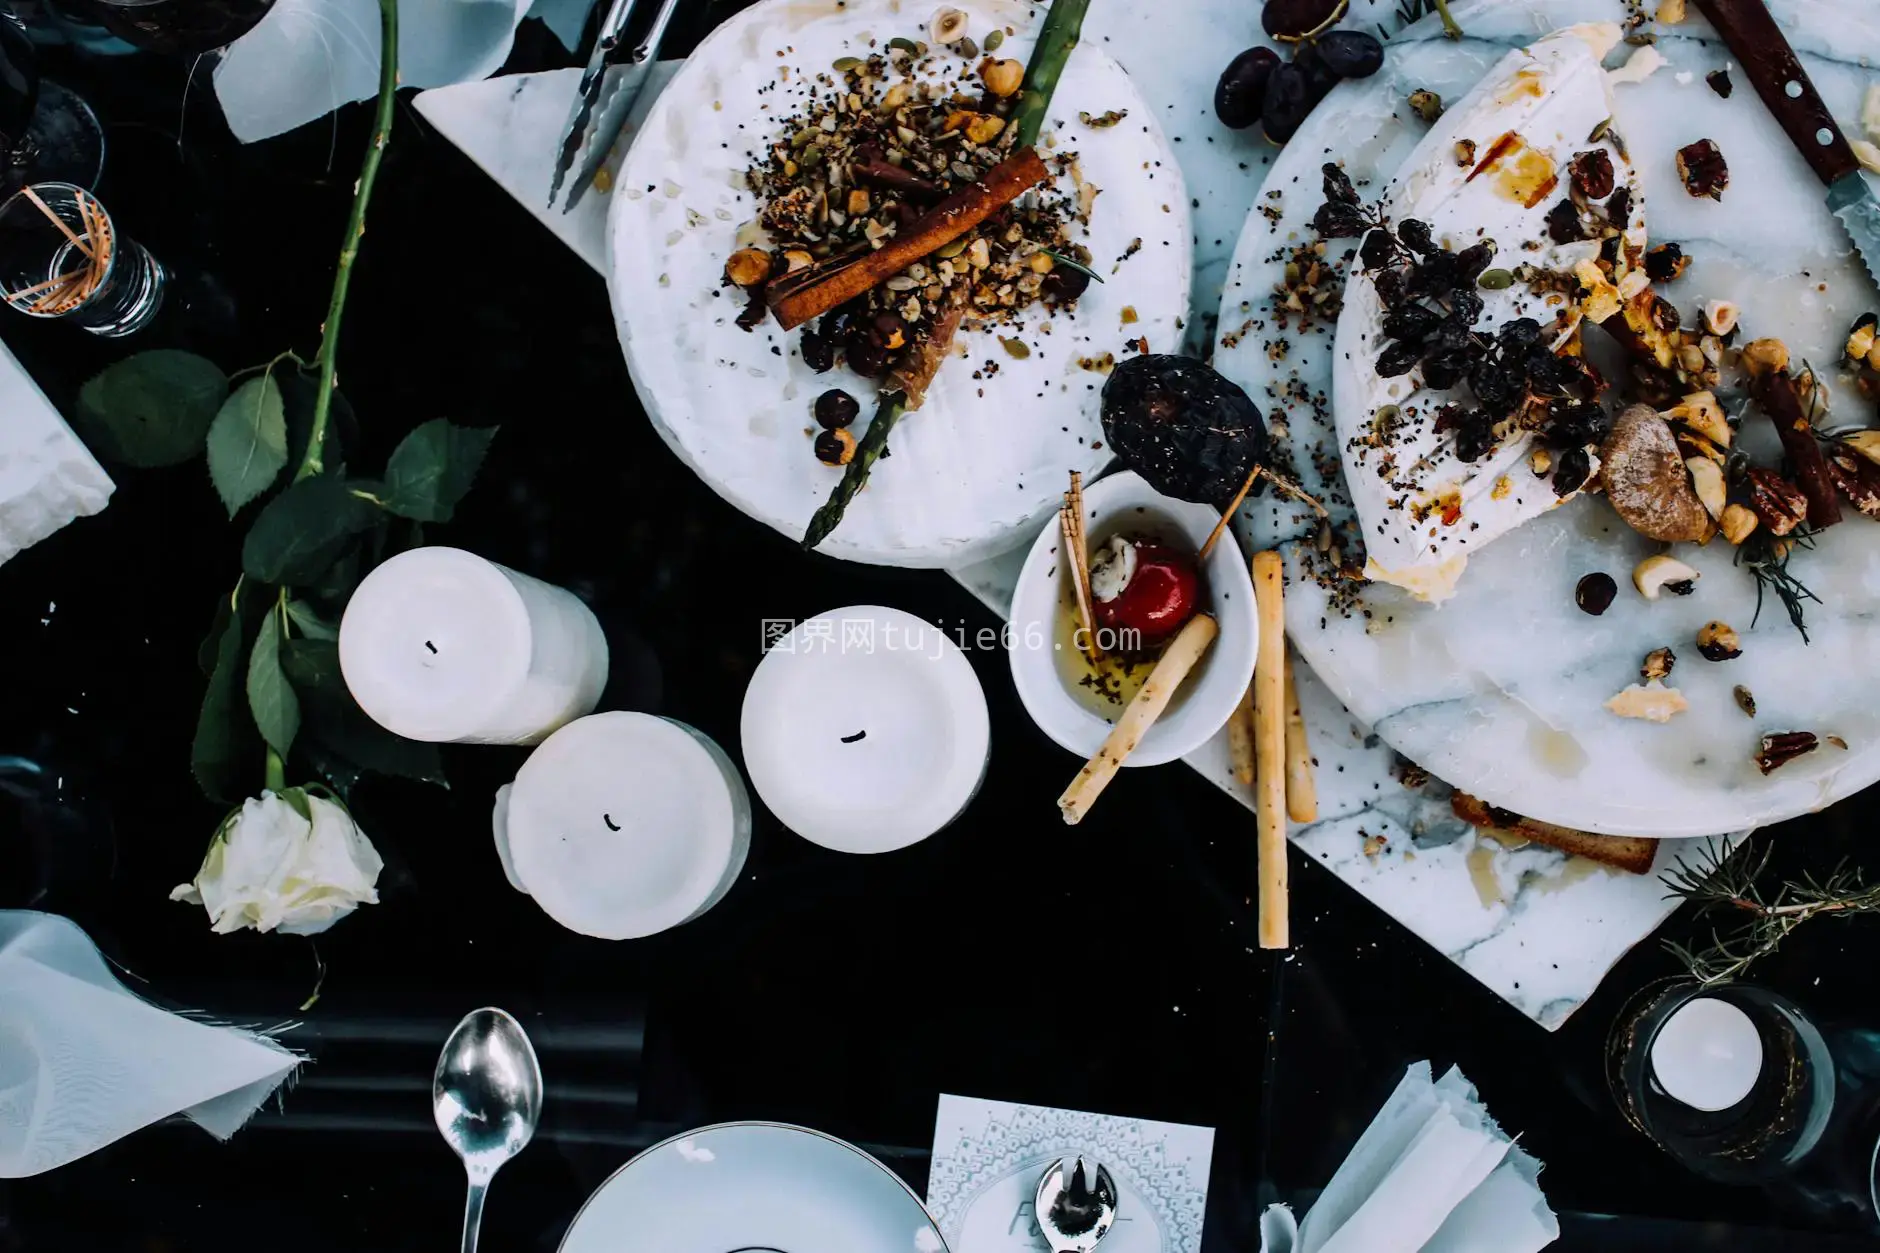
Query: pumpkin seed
(967, 48)
(1015, 347)
(843, 65)
(1599, 131)
(904, 44)
(1495, 280)
(951, 249)
(994, 39)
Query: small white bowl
(1123, 503)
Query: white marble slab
(1552, 927)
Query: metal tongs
(606, 101)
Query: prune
(1415, 235)
(1241, 94)
(1519, 333)
(1337, 185)
(1352, 53)
(1288, 102)
(819, 352)
(1188, 431)
(1571, 470)
(1293, 18)
(1378, 250)
(1398, 359)
(1412, 322)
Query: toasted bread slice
(1630, 853)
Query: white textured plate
(753, 1188)
(1501, 691)
(974, 470)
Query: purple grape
(1241, 93)
(1288, 102)
(1351, 53)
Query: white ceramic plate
(753, 1188)
(975, 469)
(1123, 503)
(1501, 691)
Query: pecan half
(1779, 503)
(1703, 169)
(1783, 747)
(1855, 477)
(1592, 174)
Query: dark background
(1111, 967)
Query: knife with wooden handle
(1773, 69)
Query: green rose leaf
(309, 622)
(152, 409)
(433, 468)
(305, 529)
(226, 756)
(248, 442)
(343, 731)
(271, 697)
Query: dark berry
(1595, 592)
(1571, 470)
(1352, 53)
(1339, 221)
(1378, 250)
(1564, 225)
(1519, 333)
(1398, 359)
(835, 408)
(1494, 387)
(1466, 304)
(1444, 370)
(1241, 94)
(1475, 440)
(1293, 18)
(1412, 322)
(1390, 288)
(1064, 284)
(1471, 261)
(1415, 235)
(1337, 185)
(819, 352)
(1288, 102)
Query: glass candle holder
(1733, 1081)
(62, 257)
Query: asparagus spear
(1062, 27)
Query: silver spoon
(486, 1097)
(1075, 1205)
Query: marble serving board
(1534, 926)
(1502, 690)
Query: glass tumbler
(62, 257)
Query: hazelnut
(1540, 461)
(1860, 340)
(1658, 663)
(747, 267)
(835, 448)
(1651, 701)
(1002, 77)
(946, 26)
(1663, 573)
(1737, 522)
(797, 259)
(1707, 478)
(1762, 356)
(1720, 316)
(1718, 641)
(1703, 169)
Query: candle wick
(433, 647)
(850, 739)
(611, 824)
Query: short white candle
(865, 729)
(439, 644)
(624, 824)
(1707, 1055)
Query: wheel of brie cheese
(1494, 169)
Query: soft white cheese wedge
(1490, 169)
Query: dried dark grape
(1337, 185)
(1471, 261)
(1452, 334)
(1445, 370)
(1519, 333)
(1619, 208)
(1339, 221)
(1466, 304)
(1390, 288)
(1666, 263)
(1398, 359)
(1378, 250)
(1437, 275)
(1415, 235)
(1594, 593)
(1475, 439)
(1294, 18)
(1571, 470)
(1547, 372)
(1188, 431)
(1064, 284)
(1412, 322)
(1494, 387)
(887, 331)
(835, 408)
(1288, 102)
(819, 352)
(1564, 225)
(1241, 94)
(1575, 422)
(1352, 53)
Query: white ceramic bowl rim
(864, 1154)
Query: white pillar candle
(439, 644)
(624, 824)
(865, 729)
(1707, 1055)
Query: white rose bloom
(273, 870)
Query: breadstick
(1269, 744)
(1176, 661)
(1240, 737)
(1302, 793)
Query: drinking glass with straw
(62, 257)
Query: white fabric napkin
(83, 1062)
(47, 478)
(1431, 1174)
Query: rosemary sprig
(1409, 11)
(1727, 881)
(1766, 557)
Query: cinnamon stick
(1776, 391)
(960, 212)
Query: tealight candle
(865, 729)
(624, 824)
(439, 644)
(1707, 1055)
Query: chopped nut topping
(1426, 104)
(1658, 663)
(1661, 573)
(1737, 522)
(1860, 340)
(1745, 700)
(1703, 169)
(748, 267)
(1651, 701)
(1002, 77)
(1718, 641)
(1465, 153)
